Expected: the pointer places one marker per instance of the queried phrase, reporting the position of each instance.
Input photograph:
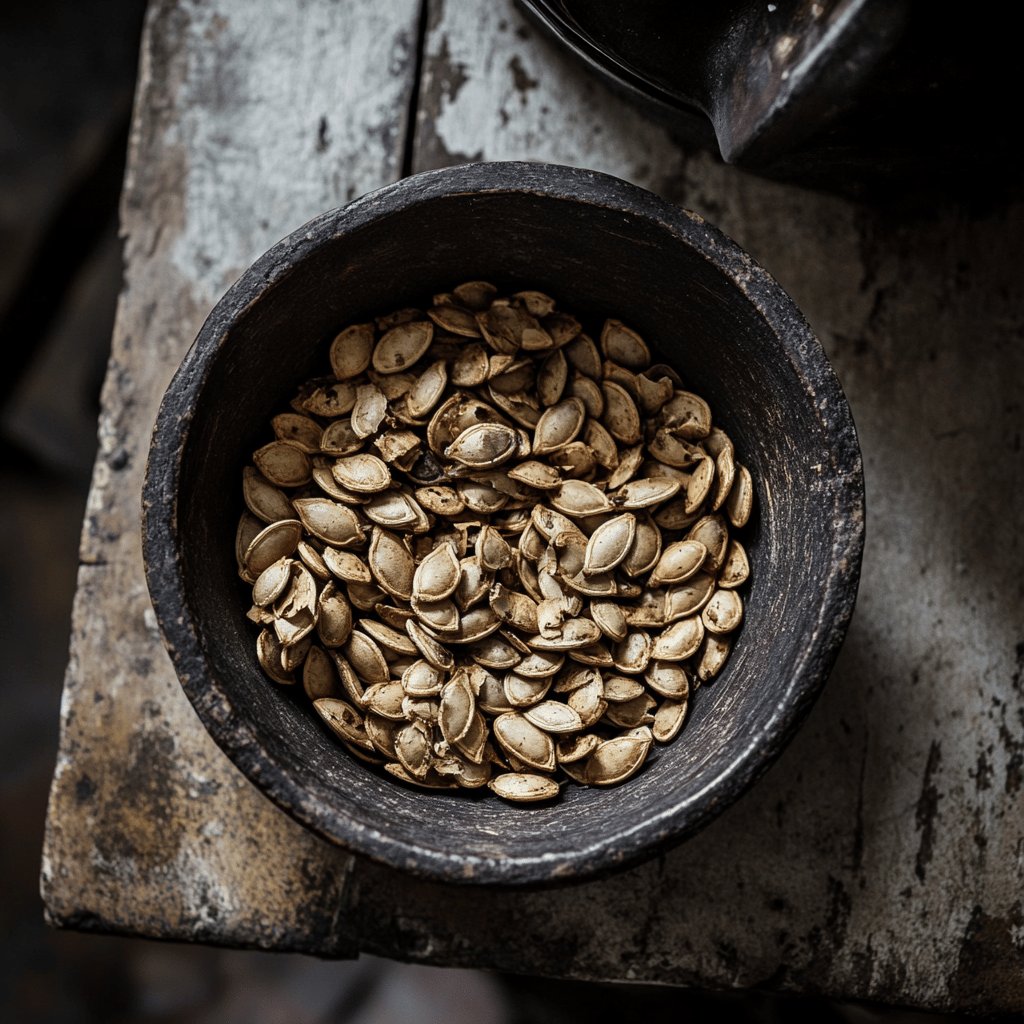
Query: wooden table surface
(883, 856)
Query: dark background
(67, 73)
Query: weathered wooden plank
(249, 119)
(881, 858)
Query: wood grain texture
(235, 142)
(883, 856)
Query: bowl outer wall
(590, 832)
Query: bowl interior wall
(597, 263)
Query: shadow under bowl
(601, 247)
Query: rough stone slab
(883, 857)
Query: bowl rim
(161, 539)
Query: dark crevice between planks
(409, 143)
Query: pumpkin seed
(351, 351)
(437, 576)
(723, 613)
(276, 541)
(740, 502)
(329, 521)
(283, 463)
(678, 562)
(558, 425)
(668, 679)
(520, 738)
(334, 617)
(623, 345)
(668, 720)
(263, 499)
(523, 787)
(609, 544)
(616, 760)
(735, 567)
(402, 345)
(680, 641)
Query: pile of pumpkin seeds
(492, 551)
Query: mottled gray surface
(883, 856)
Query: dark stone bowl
(599, 245)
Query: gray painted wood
(883, 857)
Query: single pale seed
(440, 616)
(483, 445)
(523, 787)
(620, 413)
(713, 533)
(723, 613)
(678, 562)
(699, 486)
(329, 521)
(385, 699)
(457, 707)
(435, 653)
(623, 345)
(492, 550)
(366, 659)
(276, 541)
(621, 689)
(334, 617)
(271, 582)
(283, 463)
(391, 564)
(552, 377)
(521, 692)
(609, 618)
(713, 655)
(645, 549)
(340, 439)
(313, 560)
(740, 501)
(668, 679)
(679, 641)
(455, 320)
(263, 499)
(390, 640)
(644, 493)
(524, 741)
(616, 760)
(632, 654)
(578, 498)
(363, 473)
(558, 425)
(540, 665)
(668, 720)
(421, 679)
(536, 474)
(351, 351)
(609, 544)
(437, 576)
(402, 346)
(553, 717)
(346, 566)
(369, 411)
(735, 567)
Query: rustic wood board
(883, 857)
